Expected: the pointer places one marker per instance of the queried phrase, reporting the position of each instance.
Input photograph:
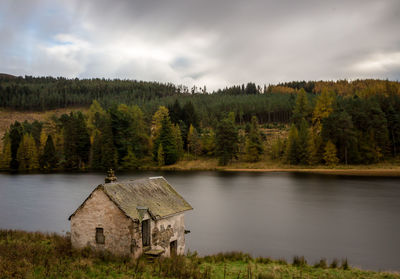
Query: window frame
(100, 238)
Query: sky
(216, 43)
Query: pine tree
(301, 109)
(226, 140)
(167, 139)
(194, 145)
(313, 148)
(330, 157)
(109, 153)
(277, 149)
(303, 141)
(48, 159)
(77, 145)
(15, 135)
(208, 141)
(254, 146)
(292, 145)
(178, 140)
(160, 156)
(96, 151)
(130, 161)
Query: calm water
(270, 214)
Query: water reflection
(265, 214)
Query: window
(99, 236)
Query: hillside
(8, 117)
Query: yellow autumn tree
(330, 155)
(27, 154)
(5, 157)
(158, 118)
(324, 106)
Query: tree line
(344, 122)
(118, 138)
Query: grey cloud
(213, 43)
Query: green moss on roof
(155, 194)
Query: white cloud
(380, 62)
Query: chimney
(110, 176)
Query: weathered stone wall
(100, 212)
(166, 230)
(122, 235)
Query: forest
(134, 124)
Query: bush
(299, 261)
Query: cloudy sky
(204, 42)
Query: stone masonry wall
(100, 212)
(166, 230)
(122, 235)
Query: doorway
(173, 248)
(146, 233)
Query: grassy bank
(37, 255)
(383, 169)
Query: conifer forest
(128, 124)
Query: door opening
(146, 233)
(173, 248)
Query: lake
(276, 215)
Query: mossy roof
(153, 194)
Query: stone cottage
(131, 217)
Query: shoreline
(377, 170)
(346, 172)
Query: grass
(38, 255)
(206, 163)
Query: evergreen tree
(301, 109)
(48, 159)
(226, 140)
(330, 157)
(254, 144)
(167, 139)
(15, 135)
(194, 145)
(303, 141)
(160, 156)
(189, 115)
(95, 151)
(338, 127)
(277, 149)
(292, 145)
(130, 161)
(313, 148)
(208, 141)
(178, 140)
(77, 145)
(109, 153)
(175, 112)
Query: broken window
(99, 235)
